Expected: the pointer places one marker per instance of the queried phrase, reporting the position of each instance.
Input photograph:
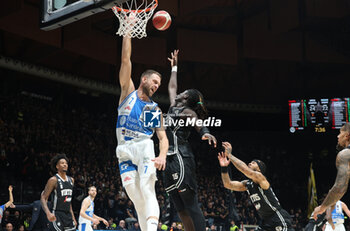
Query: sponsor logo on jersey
(124, 167)
(129, 133)
(67, 192)
(122, 120)
(257, 206)
(127, 179)
(68, 199)
(128, 108)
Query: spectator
(121, 225)
(135, 227)
(233, 226)
(131, 214)
(111, 224)
(9, 227)
(213, 228)
(21, 228)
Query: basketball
(161, 20)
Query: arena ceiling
(244, 51)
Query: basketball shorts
(278, 222)
(179, 173)
(338, 227)
(63, 222)
(135, 160)
(85, 227)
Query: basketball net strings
(134, 28)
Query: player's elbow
(340, 189)
(227, 185)
(125, 60)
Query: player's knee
(134, 194)
(148, 188)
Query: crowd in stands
(32, 130)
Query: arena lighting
(95, 86)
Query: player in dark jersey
(180, 176)
(274, 218)
(61, 216)
(343, 169)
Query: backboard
(57, 13)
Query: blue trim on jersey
(2, 209)
(83, 227)
(89, 213)
(126, 98)
(126, 138)
(127, 166)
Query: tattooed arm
(232, 185)
(242, 167)
(341, 182)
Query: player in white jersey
(135, 150)
(87, 216)
(337, 221)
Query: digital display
(318, 115)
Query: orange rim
(136, 11)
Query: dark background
(248, 58)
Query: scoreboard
(318, 115)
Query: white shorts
(135, 161)
(85, 227)
(338, 227)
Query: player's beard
(339, 147)
(147, 90)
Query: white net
(133, 16)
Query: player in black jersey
(274, 218)
(179, 175)
(343, 169)
(61, 216)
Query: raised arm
(10, 197)
(341, 182)
(126, 83)
(50, 186)
(172, 86)
(160, 161)
(232, 185)
(242, 167)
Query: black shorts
(63, 222)
(180, 173)
(281, 221)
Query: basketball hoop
(133, 16)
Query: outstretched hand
(228, 148)
(173, 59)
(105, 222)
(318, 210)
(223, 161)
(211, 139)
